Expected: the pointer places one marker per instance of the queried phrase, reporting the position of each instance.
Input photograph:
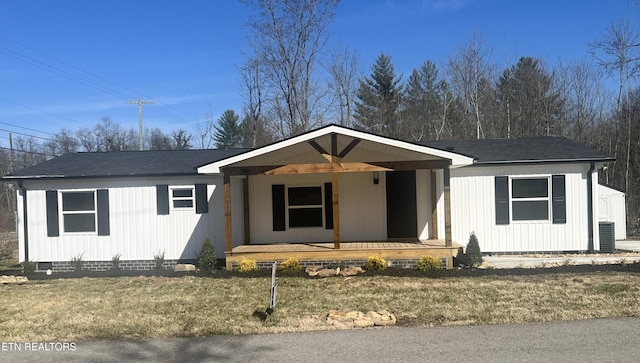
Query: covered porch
(338, 194)
(397, 252)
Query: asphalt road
(603, 340)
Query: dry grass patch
(158, 307)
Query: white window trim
(62, 213)
(548, 199)
(192, 198)
(287, 207)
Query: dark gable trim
(53, 223)
(202, 202)
(103, 212)
(162, 199)
(502, 199)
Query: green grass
(159, 307)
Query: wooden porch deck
(361, 250)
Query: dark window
(305, 196)
(78, 201)
(79, 211)
(182, 198)
(530, 188)
(305, 207)
(530, 199)
(80, 222)
(305, 217)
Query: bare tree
(470, 73)
(344, 72)
(288, 40)
(617, 53)
(204, 130)
(62, 143)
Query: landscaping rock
(351, 271)
(13, 279)
(184, 267)
(358, 319)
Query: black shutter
(502, 199)
(559, 202)
(103, 212)
(328, 205)
(202, 203)
(162, 199)
(53, 224)
(278, 207)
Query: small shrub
(473, 251)
(158, 259)
(29, 267)
(246, 265)
(461, 259)
(375, 263)
(115, 261)
(290, 266)
(77, 261)
(428, 263)
(207, 256)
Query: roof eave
(553, 161)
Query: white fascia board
(457, 160)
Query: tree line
(292, 81)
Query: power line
(81, 80)
(42, 111)
(27, 152)
(29, 135)
(92, 74)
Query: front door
(402, 220)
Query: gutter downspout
(590, 247)
(25, 224)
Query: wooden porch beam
(447, 207)
(325, 168)
(248, 170)
(228, 238)
(412, 164)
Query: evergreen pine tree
(228, 131)
(474, 256)
(378, 99)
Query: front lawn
(86, 308)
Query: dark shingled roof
(521, 150)
(125, 163)
(185, 162)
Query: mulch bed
(391, 271)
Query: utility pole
(140, 102)
(11, 160)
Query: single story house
(332, 194)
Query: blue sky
(69, 63)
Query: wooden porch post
(434, 204)
(447, 207)
(247, 221)
(227, 213)
(336, 211)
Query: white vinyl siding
(136, 230)
(473, 210)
